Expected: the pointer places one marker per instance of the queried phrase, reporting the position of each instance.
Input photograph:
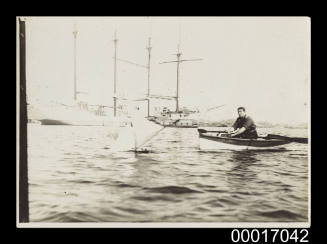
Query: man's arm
(233, 129)
(238, 131)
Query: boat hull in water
(133, 137)
(211, 141)
(73, 114)
(74, 122)
(53, 122)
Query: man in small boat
(244, 126)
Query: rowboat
(220, 140)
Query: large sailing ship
(77, 111)
(168, 118)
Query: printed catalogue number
(270, 235)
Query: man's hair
(241, 108)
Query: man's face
(241, 113)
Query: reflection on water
(74, 176)
(244, 157)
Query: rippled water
(73, 177)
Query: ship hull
(53, 122)
(76, 122)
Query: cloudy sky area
(260, 63)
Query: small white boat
(138, 132)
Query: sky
(261, 63)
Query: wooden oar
(286, 138)
(214, 131)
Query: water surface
(74, 177)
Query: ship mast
(115, 75)
(148, 67)
(178, 61)
(75, 77)
(178, 55)
(149, 47)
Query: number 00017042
(269, 235)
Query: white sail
(125, 140)
(137, 133)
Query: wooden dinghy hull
(210, 141)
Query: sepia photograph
(163, 121)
